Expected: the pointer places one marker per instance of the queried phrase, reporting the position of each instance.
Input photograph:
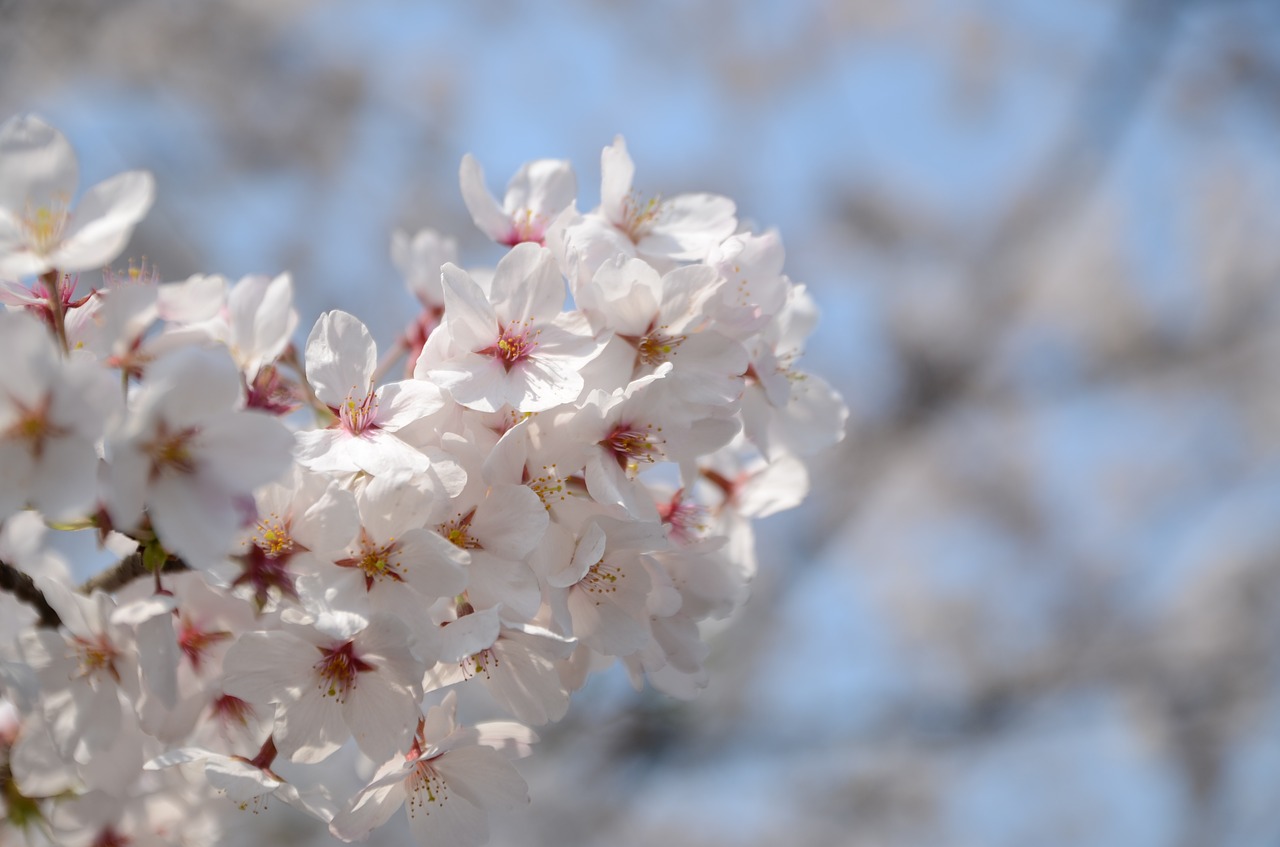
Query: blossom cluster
(313, 555)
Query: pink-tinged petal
(180, 756)
(392, 503)
(314, 449)
(589, 550)
(475, 381)
(527, 683)
(158, 655)
(310, 728)
(814, 418)
(444, 817)
(372, 808)
(609, 484)
(262, 317)
(419, 260)
(330, 523)
(191, 384)
(440, 721)
(527, 285)
(196, 298)
(17, 467)
(616, 174)
(196, 522)
(13, 293)
(402, 403)
(510, 521)
(627, 290)
(485, 211)
(542, 382)
(485, 777)
(384, 644)
(690, 226)
(781, 485)
(467, 312)
(511, 739)
(605, 625)
(468, 634)
(239, 780)
(381, 715)
(126, 485)
(341, 358)
(99, 715)
(544, 187)
(103, 220)
(434, 567)
(37, 165)
(498, 581)
(383, 453)
(243, 450)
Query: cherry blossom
(514, 346)
(536, 195)
(567, 479)
(40, 227)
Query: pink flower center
(639, 216)
(657, 347)
(458, 532)
(479, 664)
(357, 418)
(44, 225)
(195, 642)
(338, 670)
(33, 425)
(632, 444)
(526, 226)
(379, 562)
(602, 579)
(516, 342)
(229, 709)
(685, 519)
(97, 654)
(171, 451)
(424, 786)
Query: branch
(23, 587)
(128, 569)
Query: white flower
(513, 347)
(245, 782)
(341, 360)
(519, 668)
(39, 228)
(51, 417)
(329, 685)
(536, 195)
(447, 783)
(394, 566)
(190, 457)
(681, 228)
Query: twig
(23, 587)
(128, 569)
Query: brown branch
(23, 587)
(131, 567)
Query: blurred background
(1035, 596)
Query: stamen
(339, 669)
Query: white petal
(482, 205)
(103, 221)
(341, 358)
(616, 174)
(37, 164)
